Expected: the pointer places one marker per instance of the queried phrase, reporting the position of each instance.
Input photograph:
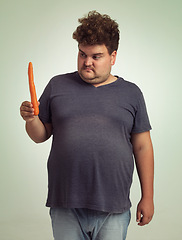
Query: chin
(87, 76)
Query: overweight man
(99, 127)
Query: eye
(96, 57)
(83, 55)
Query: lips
(88, 69)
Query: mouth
(88, 69)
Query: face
(94, 63)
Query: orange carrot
(32, 89)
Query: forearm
(145, 167)
(144, 159)
(36, 130)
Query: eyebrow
(95, 54)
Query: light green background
(150, 54)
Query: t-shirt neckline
(101, 86)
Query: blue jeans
(87, 224)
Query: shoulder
(129, 84)
(63, 81)
(130, 88)
(63, 77)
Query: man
(98, 122)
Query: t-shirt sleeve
(141, 121)
(44, 107)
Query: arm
(36, 130)
(143, 153)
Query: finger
(138, 216)
(27, 116)
(26, 106)
(26, 112)
(26, 103)
(144, 221)
(26, 109)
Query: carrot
(32, 89)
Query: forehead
(93, 49)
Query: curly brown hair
(97, 29)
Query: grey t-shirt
(91, 159)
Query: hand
(27, 111)
(145, 211)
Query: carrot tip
(32, 89)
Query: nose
(88, 62)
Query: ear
(113, 57)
